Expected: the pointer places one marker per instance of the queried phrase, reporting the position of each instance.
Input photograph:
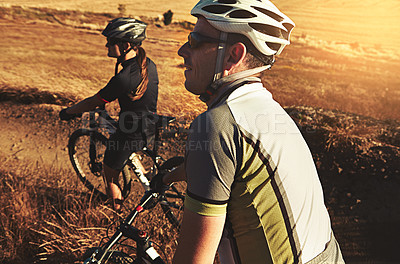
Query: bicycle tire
(173, 199)
(92, 176)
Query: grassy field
(371, 23)
(52, 58)
(64, 53)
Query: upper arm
(212, 155)
(199, 238)
(211, 162)
(117, 86)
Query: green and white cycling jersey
(246, 158)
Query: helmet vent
(269, 13)
(267, 29)
(217, 9)
(241, 14)
(227, 2)
(289, 28)
(273, 46)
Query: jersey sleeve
(211, 161)
(112, 90)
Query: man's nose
(183, 51)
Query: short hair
(255, 58)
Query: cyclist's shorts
(120, 146)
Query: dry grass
(306, 75)
(40, 216)
(43, 218)
(66, 59)
(371, 23)
(49, 52)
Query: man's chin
(192, 89)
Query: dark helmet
(126, 29)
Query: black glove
(65, 116)
(157, 183)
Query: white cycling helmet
(259, 20)
(126, 29)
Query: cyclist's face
(113, 49)
(200, 61)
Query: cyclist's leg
(119, 147)
(112, 186)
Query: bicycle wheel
(86, 151)
(173, 199)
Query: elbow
(94, 102)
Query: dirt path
(357, 159)
(32, 134)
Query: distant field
(369, 22)
(50, 58)
(63, 52)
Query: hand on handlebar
(157, 183)
(65, 116)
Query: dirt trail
(33, 134)
(357, 157)
(358, 169)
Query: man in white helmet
(253, 192)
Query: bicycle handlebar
(145, 248)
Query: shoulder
(213, 120)
(151, 66)
(150, 62)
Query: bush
(168, 17)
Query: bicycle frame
(104, 121)
(145, 251)
(94, 135)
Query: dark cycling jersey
(246, 159)
(136, 125)
(126, 82)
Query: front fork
(139, 171)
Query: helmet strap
(120, 59)
(218, 66)
(220, 56)
(218, 80)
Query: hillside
(346, 104)
(357, 159)
(371, 23)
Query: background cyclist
(135, 87)
(253, 191)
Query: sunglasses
(196, 39)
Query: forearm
(179, 174)
(85, 105)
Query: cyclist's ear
(235, 56)
(126, 46)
